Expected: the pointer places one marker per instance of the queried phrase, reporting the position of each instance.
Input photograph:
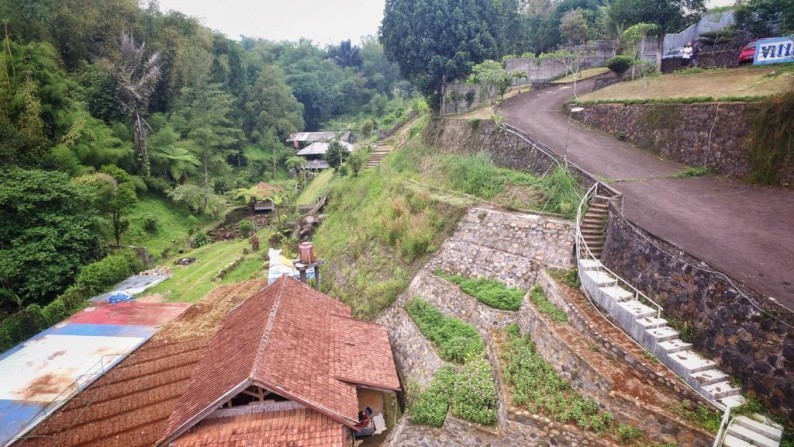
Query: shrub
(620, 64)
(192, 223)
(562, 192)
(628, 433)
(432, 405)
(543, 304)
(536, 386)
(490, 292)
(474, 397)
(150, 225)
(456, 340)
(97, 277)
(246, 227)
(200, 240)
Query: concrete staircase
(753, 430)
(377, 156)
(594, 223)
(641, 318)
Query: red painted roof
(296, 342)
(294, 428)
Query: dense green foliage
(490, 291)
(536, 386)
(760, 18)
(440, 40)
(474, 396)
(49, 230)
(620, 64)
(541, 301)
(455, 340)
(431, 406)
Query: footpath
(745, 231)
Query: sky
(323, 21)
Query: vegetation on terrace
(700, 85)
(456, 341)
(541, 301)
(491, 292)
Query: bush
(246, 227)
(97, 277)
(456, 340)
(543, 304)
(432, 405)
(200, 240)
(490, 292)
(620, 64)
(474, 397)
(150, 225)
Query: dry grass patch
(582, 75)
(725, 84)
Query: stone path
(743, 230)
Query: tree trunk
(206, 189)
(140, 143)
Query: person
(695, 53)
(365, 427)
(686, 54)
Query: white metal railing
(726, 421)
(583, 252)
(80, 382)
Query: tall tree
(136, 76)
(345, 55)
(669, 15)
(440, 40)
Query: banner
(774, 51)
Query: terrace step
(638, 310)
(617, 293)
(692, 361)
(750, 436)
(601, 278)
(590, 264)
(675, 345)
(722, 389)
(661, 334)
(732, 401)
(652, 323)
(733, 441)
(767, 428)
(710, 376)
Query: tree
(492, 78)
(50, 229)
(337, 154)
(345, 55)
(761, 18)
(635, 34)
(668, 15)
(136, 77)
(271, 104)
(573, 27)
(440, 40)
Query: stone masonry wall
(713, 135)
(561, 345)
(755, 346)
(510, 247)
(415, 358)
(617, 344)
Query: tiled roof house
(285, 368)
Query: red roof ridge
(271, 318)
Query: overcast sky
(323, 21)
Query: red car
(748, 54)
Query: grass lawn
(582, 75)
(485, 111)
(190, 283)
(172, 222)
(317, 188)
(719, 84)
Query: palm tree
(136, 78)
(297, 163)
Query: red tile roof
(294, 428)
(296, 342)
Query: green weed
(693, 172)
(543, 304)
(455, 340)
(432, 405)
(490, 292)
(474, 396)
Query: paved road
(743, 230)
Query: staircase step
(710, 376)
(592, 231)
(660, 334)
(732, 401)
(589, 264)
(674, 345)
(638, 310)
(617, 293)
(601, 278)
(651, 323)
(747, 435)
(774, 432)
(692, 361)
(722, 389)
(733, 441)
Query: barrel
(306, 252)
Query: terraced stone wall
(709, 134)
(749, 337)
(513, 248)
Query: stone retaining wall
(561, 346)
(415, 358)
(510, 247)
(712, 134)
(620, 350)
(756, 347)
